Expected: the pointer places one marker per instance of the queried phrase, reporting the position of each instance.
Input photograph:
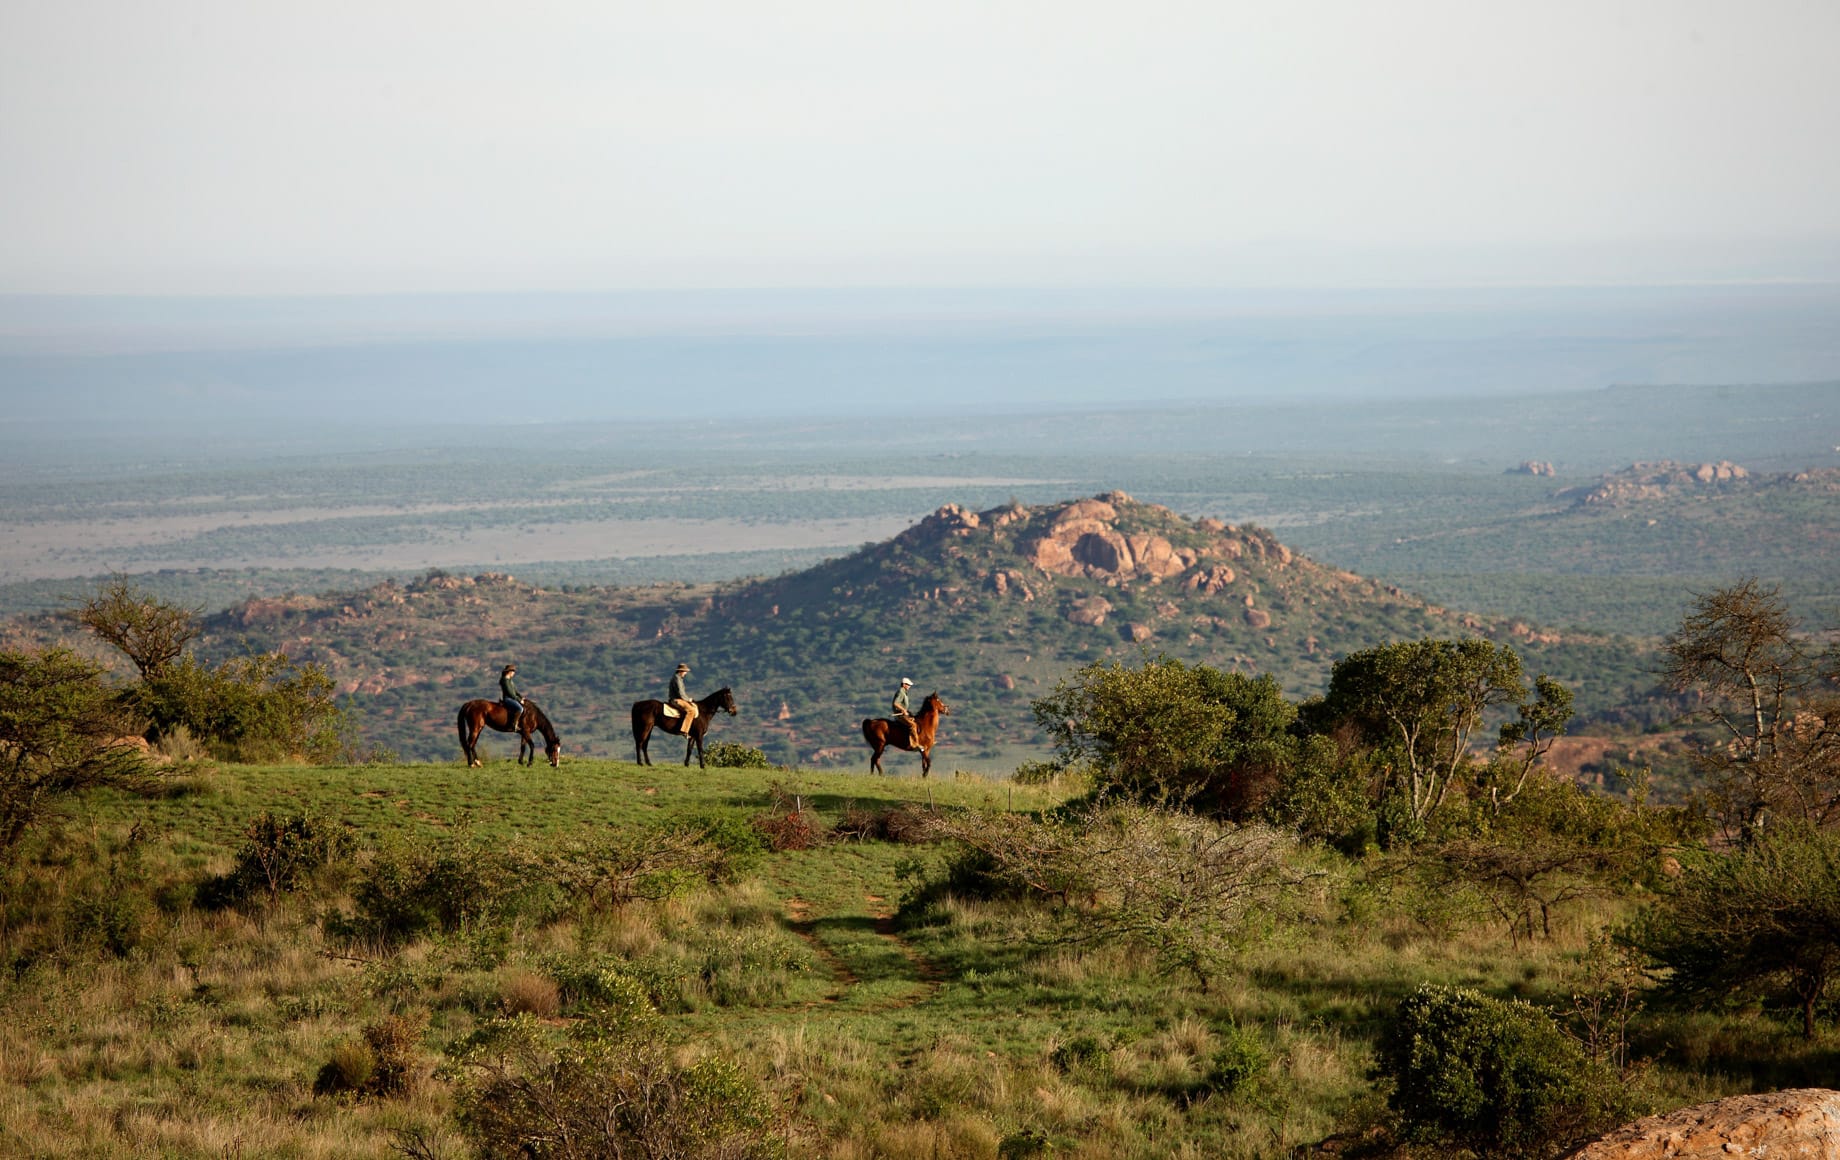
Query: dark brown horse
(883, 733)
(649, 715)
(477, 716)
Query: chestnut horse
(883, 733)
(647, 715)
(476, 716)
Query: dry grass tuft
(524, 992)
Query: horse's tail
(460, 723)
(868, 728)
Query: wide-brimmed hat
(683, 668)
(511, 668)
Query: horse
(476, 716)
(649, 714)
(884, 733)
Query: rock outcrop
(1800, 1124)
(1654, 480)
(1082, 541)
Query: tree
(261, 707)
(150, 632)
(1425, 700)
(1173, 733)
(1772, 699)
(1766, 913)
(60, 730)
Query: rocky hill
(988, 607)
(1668, 479)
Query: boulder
(1799, 1124)
(1092, 611)
(1139, 633)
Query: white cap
(907, 680)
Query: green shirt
(900, 702)
(508, 687)
(678, 692)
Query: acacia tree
(1425, 700)
(1773, 701)
(1766, 913)
(60, 730)
(149, 632)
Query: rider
(679, 697)
(899, 705)
(514, 704)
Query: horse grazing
(476, 716)
(884, 733)
(647, 715)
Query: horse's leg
(926, 762)
(642, 734)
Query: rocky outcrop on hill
(1786, 1125)
(1532, 467)
(1655, 480)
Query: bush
(1237, 1062)
(1497, 1077)
(411, 888)
(606, 1091)
(278, 856)
(730, 755)
(382, 1063)
(261, 708)
(781, 832)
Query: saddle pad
(672, 711)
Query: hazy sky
(391, 145)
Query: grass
(949, 1031)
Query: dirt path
(924, 975)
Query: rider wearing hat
(508, 695)
(899, 705)
(679, 697)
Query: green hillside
(988, 608)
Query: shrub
(1498, 1077)
(781, 832)
(1037, 773)
(645, 862)
(410, 888)
(383, 1062)
(606, 1091)
(730, 755)
(1237, 1062)
(278, 856)
(261, 708)
(610, 992)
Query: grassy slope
(873, 1038)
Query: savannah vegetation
(1218, 920)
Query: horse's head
(937, 703)
(553, 751)
(727, 702)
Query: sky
(209, 147)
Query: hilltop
(987, 607)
